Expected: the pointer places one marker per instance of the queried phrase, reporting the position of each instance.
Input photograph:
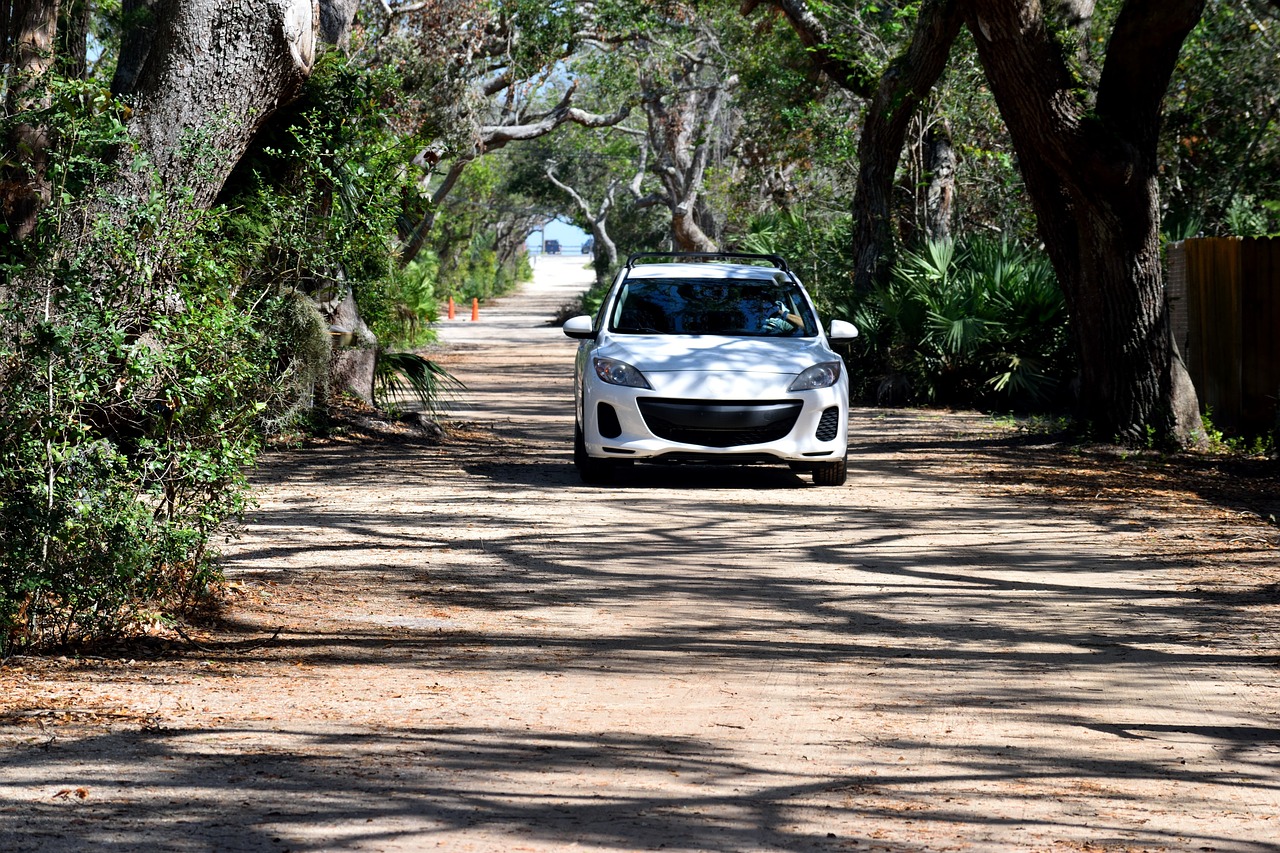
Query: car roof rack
(703, 256)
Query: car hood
(716, 353)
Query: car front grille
(719, 423)
(829, 424)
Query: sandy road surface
(477, 652)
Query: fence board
(1230, 293)
(1260, 340)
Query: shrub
(128, 424)
(981, 322)
(135, 369)
(415, 304)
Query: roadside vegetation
(186, 270)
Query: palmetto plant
(976, 322)
(398, 374)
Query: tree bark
(940, 172)
(335, 21)
(212, 75)
(1091, 176)
(138, 20)
(73, 36)
(902, 87)
(29, 49)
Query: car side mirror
(841, 330)
(580, 328)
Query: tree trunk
(688, 235)
(904, 84)
(73, 38)
(138, 19)
(1091, 176)
(212, 74)
(940, 172)
(29, 50)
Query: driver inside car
(782, 321)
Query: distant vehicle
(552, 247)
(709, 358)
(588, 245)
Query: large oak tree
(1087, 152)
(201, 76)
(1087, 149)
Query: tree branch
(1143, 51)
(493, 137)
(813, 35)
(573, 194)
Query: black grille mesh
(829, 425)
(689, 423)
(607, 421)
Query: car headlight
(819, 376)
(619, 373)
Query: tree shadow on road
(966, 605)
(179, 789)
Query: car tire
(831, 473)
(594, 472)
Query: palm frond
(398, 374)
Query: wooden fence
(1225, 298)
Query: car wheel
(831, 473)
(592, 471)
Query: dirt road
(477, 652)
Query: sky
(570, 236)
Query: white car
(695, 359)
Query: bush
(981, 322)
(415, 304)
(135, 370)
(128, 424)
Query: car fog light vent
(829, 424)
(607, 421)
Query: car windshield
(678, 306)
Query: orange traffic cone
(475, 309)
(452, 310)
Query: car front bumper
(777, 426)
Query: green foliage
(133, 376)
(1247, 217)
(398, 374)
(1218, 441)
(815, 246)
(414, 303)
(1219, 149)
(980, 322)
(319, 198)
(477, 238)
